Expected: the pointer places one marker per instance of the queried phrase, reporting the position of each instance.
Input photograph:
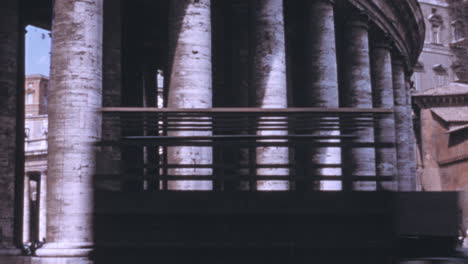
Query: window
(441, 75)
(435, 35)
(416, 79)
(436, 27)
(441, 79)
(417, 76)
(29, 98)
(460, 71)
(457, 30)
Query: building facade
(439, 76)
(443, 59)
(439, 99)
(279, 120)
(35, 154)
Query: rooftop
(452, 88)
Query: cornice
(428, 101)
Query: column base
(13, 256)
(65, 250)
(60, 260)
(15, 259)
(10, 252)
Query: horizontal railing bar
(245, 110)
(246, 177)
(289, 120)
(246, 144)
(245, 119)
(235, 137)
(228, 166)
(236, 125)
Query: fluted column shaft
(74, 127)
(382, 88)
(403, 127)
(268, 79)
(412, 139)
(9, 94)
(360, 161)
(322, 86)
(190, 83)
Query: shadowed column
(322, 87)
(111, 93)
(402, 126)
(360, 161)
(382, 88)
(190, 84)
(74, 128)
(411, 133)
(9, 54)
(268, 77)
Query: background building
(35, 152)
(440, 98)
(444, 57)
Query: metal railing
(144, 136)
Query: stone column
(190, 84)
(411, 132)
(74, 127)
(382, 88)
(359, 160)
(402, 127)
(322, 86)
(151, 156)
(238, 95)
(268, 79)
(43, 206)
(110, 156)
(26, 210)
(9, 71)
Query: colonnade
(366, 80)
(372, 74)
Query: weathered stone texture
(402, 126)
(382, 87)
(322, 85)
(9, 48)
(268, 79)
(412, 137)
(431, 180)
(190, 83)
(359, 161)
(74, 125)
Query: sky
(37, 51)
